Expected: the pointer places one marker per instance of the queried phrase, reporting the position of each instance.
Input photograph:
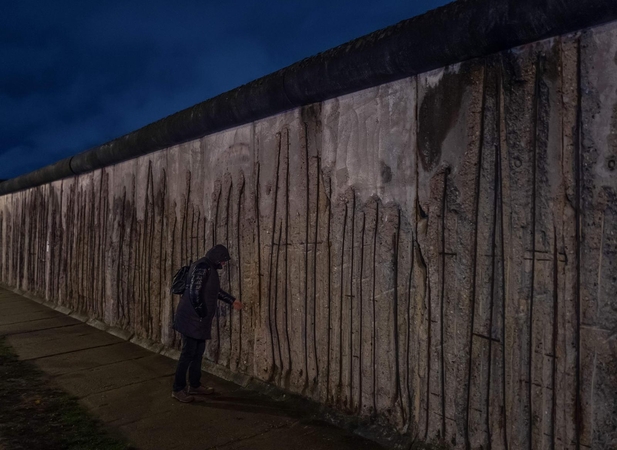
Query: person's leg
(195, 364)
(189, 347)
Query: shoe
(182, 396)
(200, 390)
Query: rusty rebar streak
(342, 282)
(215, 227)
(104, 255)
(351, 291)
(503, 257)
(58, 243)
(578, 166)
(119, 272)
(496, 183)
(408, 356)
(152, 216)
(162, 248)
(374, 336)
(276, 297)
(306, 244)
(398, 396)
(239, 243)
(183, 228)
(74, 280)
(69, 243)
(428, 298)
(229, 273)
(258, 226)
(534, 146)
(173, 255)
(100, 248)
(555, 337)
(361, 321)
(150, 207)
(416, 222)
(287, 325)
(329, 243)
(132, 267)
(317, 183)
(276, 190)
(475, 259)
(83, 234)
(444, 202)
(215, 224)
(92, 251)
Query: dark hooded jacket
(198, 303)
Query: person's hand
(237, 304)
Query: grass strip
(36, 415)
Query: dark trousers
(190, 359)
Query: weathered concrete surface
(434, 255)
(129, 388)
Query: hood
(218, 254)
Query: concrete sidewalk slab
(129, 388)
(7, 318)
(54, 341)
(90, 358)
(82, 383)
(37, 325)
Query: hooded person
(193, 319)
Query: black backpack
(178, 282)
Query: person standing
(193, 320)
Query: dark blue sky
(76, 74)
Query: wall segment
(435, 254)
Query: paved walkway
(129, 388)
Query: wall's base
(365, 428)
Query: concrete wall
(435, 254)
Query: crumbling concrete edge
(369, 429)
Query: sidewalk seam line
(42, 329)
(72, 351)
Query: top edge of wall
(457, 32)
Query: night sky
(76, 74)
